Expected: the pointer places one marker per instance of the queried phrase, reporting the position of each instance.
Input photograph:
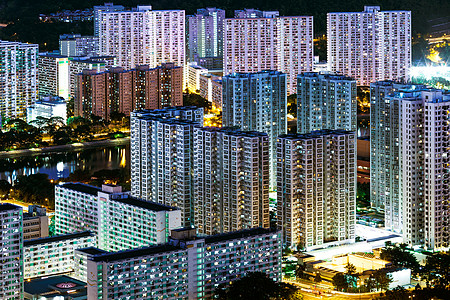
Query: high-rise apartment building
(326, 101)
(35, 223)
(54, 255)
(257, 102)
(205, 36)
(143, 36)
(409, 154)
(437, 170)
(18, 78)
(53, 75)
(107, 7)
(370, 46)
(119, 220)
(231, 180)
(316, 188)
(76, 66)
(189, 267)
(162, 156)
(253, 44)
(77, 45)
(255, 13)
(11, 254)
(119, 90)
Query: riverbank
(60, 148)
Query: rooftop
(314, 134)
(133, 201)
(9, 206)
(238, 235)
(92, 251)
(82, 188)
(134, 253)
(51, 287)
(57, 238)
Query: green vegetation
(196, 100)
(43, 132)
(363, 195)
(399, 256)
(379, 280)
(258, 286)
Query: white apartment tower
(205, 35)
(53, 75)
(316, 188)
(257, 102)
(437, 172)
(107, 7)
(325, 101)
(231, 180)
(370, 46)
(162, 156)
(18, 78)
(11, 252)
(409, 159)
(268, 42)
(143, 36)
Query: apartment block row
(122, 91)
(185, 266)
(410, 142)
(188, 267)
(119, 220)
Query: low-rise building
(35, 223)
(54, 255)
(48, 107)
(55, 288)
(119, 220)
(188, 267)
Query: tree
(195, 100)
(300, 271)
(350, 269)
(437, 270)
(257, 286)
(382, 279)
(340, 282)
(370, 283)
(399, 256)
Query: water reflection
(60, 165)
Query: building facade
(53, 75)
(143, 36)
(76, 66)
(205, 37)
(162, 156)
(257, 102)
(18, 78)
(11, 277)
(54, 255)
(408, 161)
(186, 268)
(231, 180)
(370, 46)
(76, 45)
(316, 188)
(107, 212)
(119, 90)
(253, 44)
(107, 7)
(35, 223)
(326, 101)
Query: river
(61, 164)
